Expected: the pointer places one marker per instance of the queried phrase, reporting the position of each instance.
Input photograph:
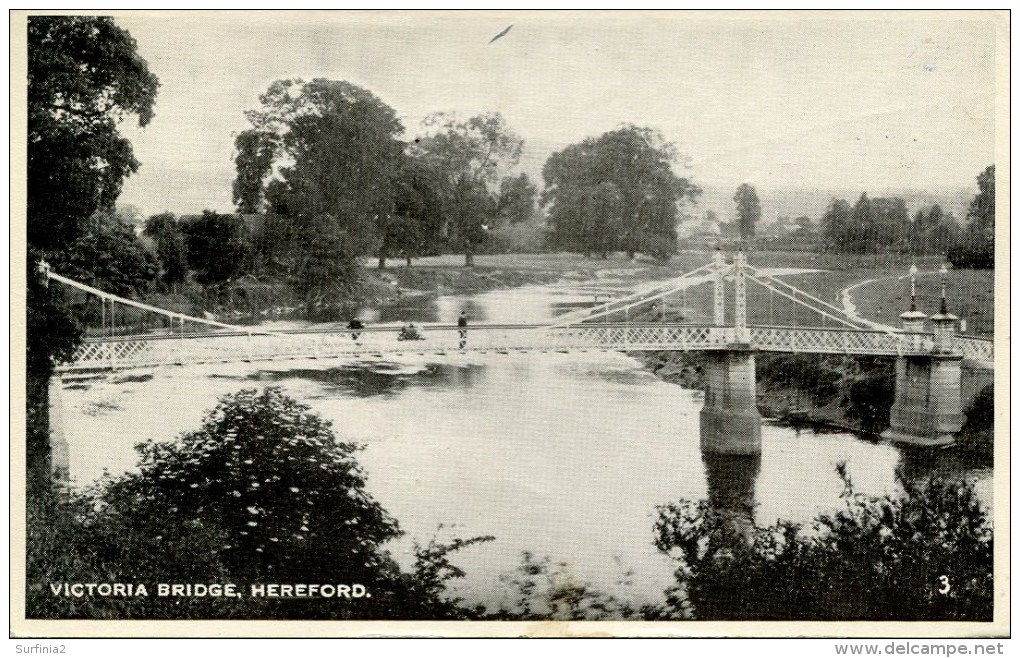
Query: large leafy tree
(748, 210)
(516, 200)
(85, 78)
(468, 157)
(616, 192)
(414, 226)
(932, 232)
(320, 147)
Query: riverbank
(446, 275)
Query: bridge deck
(227, 346)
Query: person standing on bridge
(462, 328)
(355, 324)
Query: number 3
(945, 585)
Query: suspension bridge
(928, 350)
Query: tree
(415, 225)
(171, 246)
(891, 222)
(516, 200)
(982, 209)
(467, 157)
(84, 78)
(616, 191)
(748, 210)
(976, 247)
(860, 238)
(836, 224)
(320, 147)
(933, 232)
(218, 247)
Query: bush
(262, 493)
(880, 558)
(977, 437)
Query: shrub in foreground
(262, 493)
(925, 554)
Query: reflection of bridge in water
(926, 411)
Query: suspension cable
(636, 298)
(798, 303)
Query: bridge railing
(139, 351)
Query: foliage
(976, 246)
(977, 436)
(543, 591)
(326, 271)
(264, 492)
(109, 256)
(433, 570)
(748, 210)
(320, 147)
(84, 78)
(616, 192)
(218, 247)
(51, 331)
(171, 246)
(288, 496)
(805, 372)
(870, 226)
(933, 232)
(414, 226)
(466, 158)
(879, 558)
(70, 538)
(516, 200)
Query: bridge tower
(927, 409)
(730, 422)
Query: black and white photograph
(684, 319)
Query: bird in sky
(502, 33)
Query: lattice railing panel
(978, 349)
(156, 351)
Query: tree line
(873, 225)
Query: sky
(867, 102)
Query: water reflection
(731, 482)
(384, 379)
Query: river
(562, 455)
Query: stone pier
(730, 422)
(927, 410)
